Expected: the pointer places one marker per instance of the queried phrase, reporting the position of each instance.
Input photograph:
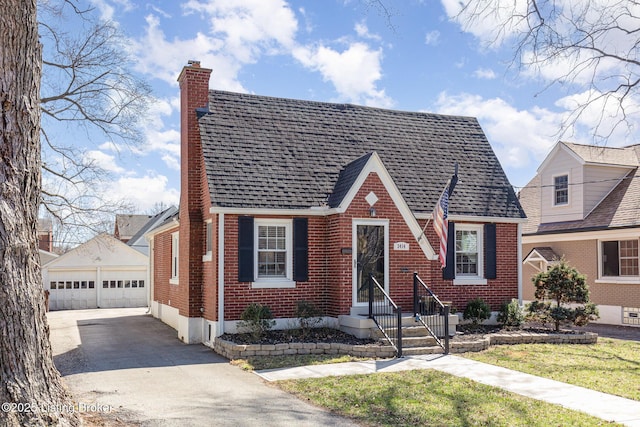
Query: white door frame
(354, 264)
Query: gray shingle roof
(263, 152)
(621, 208)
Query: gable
(102, 250)
(272, 153)
(370, 164)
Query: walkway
(601, 405)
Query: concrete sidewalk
(601, 405)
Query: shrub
(477, 311)
(562, 297)
(511, 314)
(309, 316)
(256, 320)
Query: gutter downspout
(220, 274)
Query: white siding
(600, 180)
(562, 163)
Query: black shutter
(490, 251)
(300, 249)
(449, 271)
(245, 249)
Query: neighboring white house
(103, 272)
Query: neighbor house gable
(100, 250)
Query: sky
(416, 57)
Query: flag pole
(451, 183)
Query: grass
(429, 398)
(611, 366)
(272, 362)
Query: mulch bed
(324, 335)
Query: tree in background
(590, 47)
(88, 86)
(29, 383)
(562, 297)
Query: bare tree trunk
(31, 390)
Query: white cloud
(353, 72)
(432, 38)
(144, 192)
(484, 73)
(363, 31)
(249, 27)
(103, 160)
(520, 138)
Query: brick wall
(583, 255)
(503, 288)
(164, 292)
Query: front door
(370, 256)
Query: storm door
(370, 256)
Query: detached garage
(101, 273)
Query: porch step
(416, 351)
(415, 339)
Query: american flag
(441, 224)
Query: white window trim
(275, 282)
(208, 256)
(553, 190)
(614, 279)
(175, 257)
(478, 279)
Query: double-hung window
(174, 258)
(273, 251)
(620, 258)
(469, 255)
(561, 190)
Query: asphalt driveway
(131, 369)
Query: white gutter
(220, 274)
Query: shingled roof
(619, 209)
(263, 152)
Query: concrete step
(416, 351)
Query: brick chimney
(194, 94)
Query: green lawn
(610, 366)
(430, 398)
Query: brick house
(285, 200)
(583, 205)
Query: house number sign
(400, 246)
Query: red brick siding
(194, 93)
(164, 292)
(282, 302)
(496, 291)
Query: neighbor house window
(620, 258)
(561, 190)
(208, 249)
(469, 253)
(273, 249)
(174, 257)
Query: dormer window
(561, 190)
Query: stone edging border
(521, 338)
(234, 351)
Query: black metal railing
(431, 313)
(385, 314)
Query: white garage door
(81, 289)
(72, 290)
(123, 289)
